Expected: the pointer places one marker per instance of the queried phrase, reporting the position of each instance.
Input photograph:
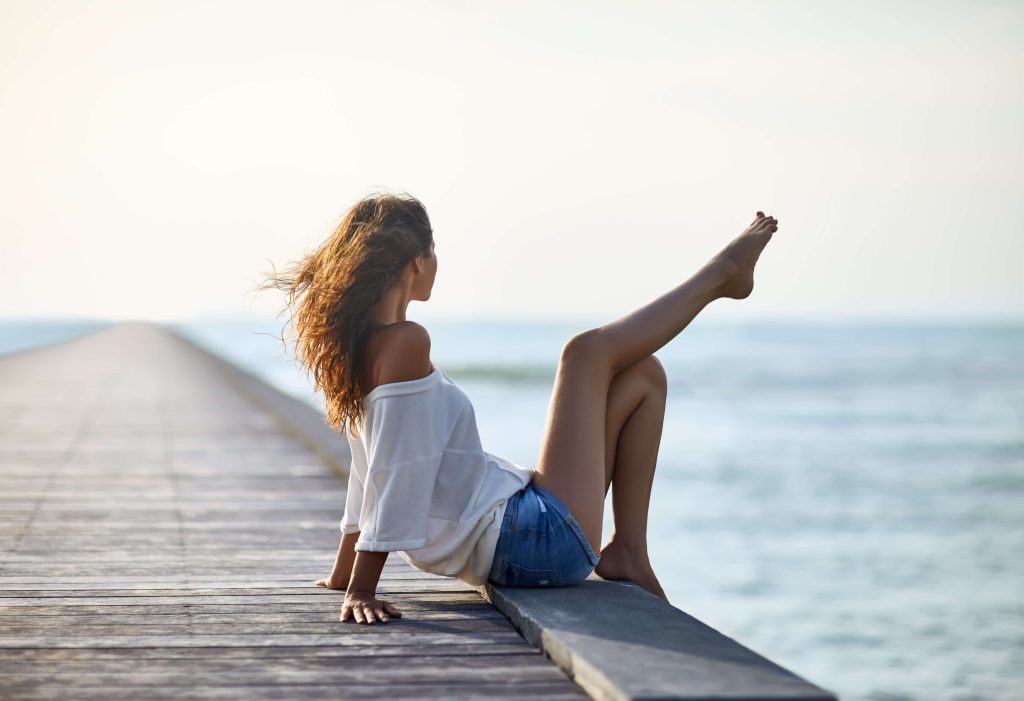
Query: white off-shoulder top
(421, 484)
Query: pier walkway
(160, 533)
(163, 515)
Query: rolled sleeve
(396, 513)
(353, 503)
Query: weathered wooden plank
(295, 573)
(198, 590)
(445, 670)
(53, 656)
(379, 635)
(473, 691)
(253, 626)
(36, 584)
(504, 668)
(426, 603)
(171, 556)
(43, 526)
(12, 603)
(89, 621)
(413, 664)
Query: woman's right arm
(342, 572)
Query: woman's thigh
(571, 463)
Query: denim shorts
(541, 544)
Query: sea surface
(845, 497)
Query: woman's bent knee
(586, 344)
(655, 373)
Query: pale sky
(579, 157)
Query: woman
(420, 483)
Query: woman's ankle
(635, 547)
(720, 270)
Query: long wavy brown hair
(331, 292)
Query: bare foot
(331, 584)
(619, 562)
(742, 253)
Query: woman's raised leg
(572, 455)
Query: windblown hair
(332, 291)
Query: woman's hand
(364, 607)
(331, 583)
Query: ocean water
(18, 335)
(845, 498)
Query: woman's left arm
(361, 602)
(342, 571)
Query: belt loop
(540, 501)
(513, 507)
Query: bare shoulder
(404, 353)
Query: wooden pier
(163, 516)
(161, 532)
